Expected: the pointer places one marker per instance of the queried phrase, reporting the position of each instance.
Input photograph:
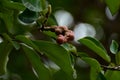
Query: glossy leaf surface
(95, 46)
(57, 54)
(113, 5)
(114, 47)
(27, 41)
(95, 67)
(33, 5)
(28, 16)
(111, 75)
(42, 72)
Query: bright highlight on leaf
(114, 47)
(33, 5)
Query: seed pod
(69, 35)
(60, 39)
(60, 30)
(64, 28)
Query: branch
(117, 68)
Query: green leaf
(43, 4)
(42, 72)
(60, 75)
(95, 67)
(14, 43)
(57, 54)
(8, 20)
(2, 29)
(95, 46)
(114, 47)
(13, 5)
(28, 16)
(117, 58)
(101, 77)
(52, 20)
(33, 5)
(113, 5)
(70, 48)
(112, 75)
(50, 34)
(82, 54)
(27, 41)
(5, 49)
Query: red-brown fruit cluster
(64, 34)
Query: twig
(117, 68)
(46, 17)
(47, 29)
